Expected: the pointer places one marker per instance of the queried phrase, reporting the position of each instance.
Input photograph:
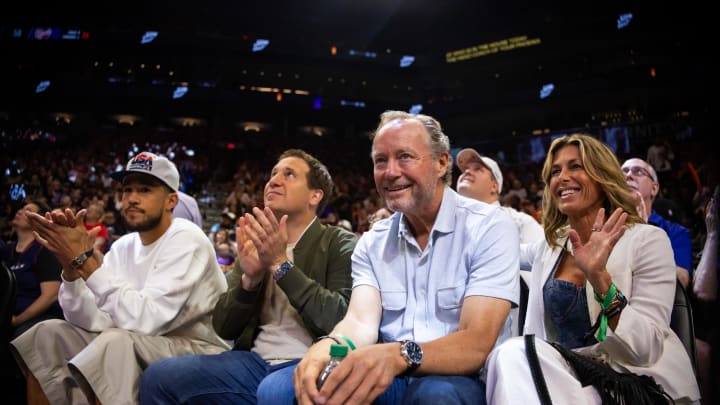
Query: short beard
(147, 225)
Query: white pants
(509, 380)
(74, 366)
(514, 316)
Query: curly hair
(602, 166)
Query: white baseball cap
(468, 155)
(154, 165)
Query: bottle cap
(338, 350)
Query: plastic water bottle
(337, 353)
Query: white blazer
(642, 266)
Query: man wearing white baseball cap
(481, 179)
(154, 165)
(464, 160)
(150, 297)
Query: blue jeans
(231, 377)
(277, 388)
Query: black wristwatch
(284, 268)
(413, 355)
(616, 305)
(77, 262)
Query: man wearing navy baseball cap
(150, 297)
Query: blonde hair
(602, 166)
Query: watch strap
(409, 371)
(77, 262)
(282, 270)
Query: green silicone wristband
(346, 339)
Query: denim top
(567, 309)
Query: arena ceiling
(472, 63)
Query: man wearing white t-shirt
(481, 179)
(150, 297)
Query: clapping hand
(63, 234)
(247, 256)
(711, 211)
(268, 235)
(642, 209)
(261, 243)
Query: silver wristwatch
(413, 355)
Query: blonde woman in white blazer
(596, 247)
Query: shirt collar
(445, 219)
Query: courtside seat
(8, 291)
(524, 292)
(681, 321)
(14, 393)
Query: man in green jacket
(291, 285)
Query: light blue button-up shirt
(472, 250)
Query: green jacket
(318, 287)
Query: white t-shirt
(169, 287)
(529, 229)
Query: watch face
(621, 296)
(413, 351)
